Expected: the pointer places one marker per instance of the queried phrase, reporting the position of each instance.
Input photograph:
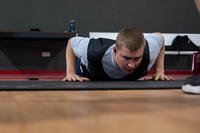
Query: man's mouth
(128, 70)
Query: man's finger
(156, 77)
(64, 79)
(85, 79)
(148, 78)
(79, 78)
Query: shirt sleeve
(155, 42)
(80, 46)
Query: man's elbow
(69, 41)
(159, 33)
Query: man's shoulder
(155, 38)
(80, 38)
(154, 35)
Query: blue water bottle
(72, 26)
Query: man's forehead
(126, 50)
(132, 54)
(125, 46)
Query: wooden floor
(140, 111)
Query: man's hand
(159, 76)
(75, 77)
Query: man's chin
(128, 71)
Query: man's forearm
(159, 64)
(70, 59)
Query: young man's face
(126, 59)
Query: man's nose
(131, 65)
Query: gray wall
(100, 15)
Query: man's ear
(115, 49)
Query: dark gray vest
(95, 71)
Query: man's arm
(197, 3)
(71, 65)
(159, 65)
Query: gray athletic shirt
(80, 45)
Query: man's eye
(126, 58)
(136, 59)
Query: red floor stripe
(175, 72)
(185, 72)
(32, 72)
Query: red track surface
(27, 75)
(10, 75)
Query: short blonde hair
(131, 37)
